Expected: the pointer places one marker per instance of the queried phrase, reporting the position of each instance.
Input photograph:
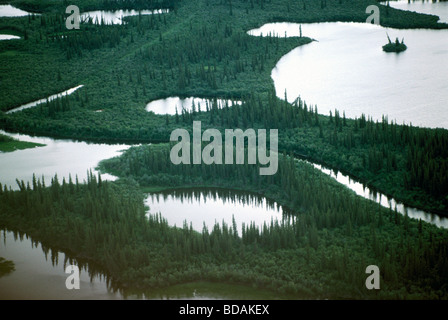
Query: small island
(396, 46)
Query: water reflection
(10, 11)
(387, 202)
(170, 105)
(346, 69)
(115, 17)
(40, 272)
(8, 37)
(50, 98)
(40, 275)
(434, 7)
(66, 158)
(200, 207)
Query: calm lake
(434, 7)
(116, 17)
(170, 105)
(346, 69)
(10, 11)
(40, 275)
(209, 206)
(37, 276)
(8, 37)
(385, 201)
(61, 157)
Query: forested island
(396, 46)
(201, 48)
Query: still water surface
(171, 104)
(385, 201)
(62, 157)
(50, 98)
(115, 17)
(434, 7)
(209, 206)
(8, 37)
(40, 275)
(346, 69)
(37, 277)
(10, 11)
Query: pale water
(171, 104)
(383, 200)
(38, 276)
(62, 157)
(346, 69)
(115, 17)
(434, 7)
(40, 101)
(10, 11)
(8, 37)
(206, 207)
(346, 65)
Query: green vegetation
(53, 6)
(6, 267)
(321, 253)
(408, 163)
(201, 48)
(396, 46)
(8, 144)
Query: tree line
(321, 253)
(318, 205)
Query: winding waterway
(50, 98)
(346, 64)
(385, 201)
(62, 157)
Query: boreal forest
(328, 234)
